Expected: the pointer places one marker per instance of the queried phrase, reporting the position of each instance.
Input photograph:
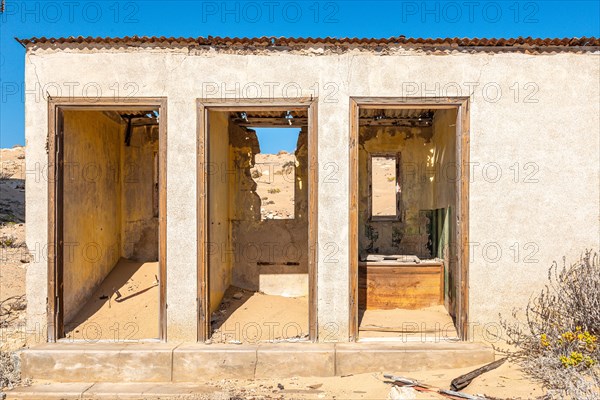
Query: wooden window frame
(461, 104)
(398, 184)
(55, 287)
(203, 106)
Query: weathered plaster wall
(219, 227)
(271, 255)
(92, 204)
(550, 210)
(443, 159)
(139, 225)
(409, 235)
(428, 185)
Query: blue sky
(273, 140)
(476, 18)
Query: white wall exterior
(559, 134)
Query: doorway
(257, 221)
(408, 217)
(107, 220)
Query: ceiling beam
(403, 122)
(271, 122)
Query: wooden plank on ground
(464, 380)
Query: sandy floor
(256, 317)
(124, 307)
(429, 324)
(275, 184)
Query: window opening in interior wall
(274, 172)
(385, 186)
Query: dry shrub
(560, 343)
(9, 242)
(10, 309)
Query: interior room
(406, 203)
(257, 226)
(110, 224)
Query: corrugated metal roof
(266, 42)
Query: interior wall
(108, 207)
(427, 180)
(92, 208)
(443, 224)
(139, 227)
(271, 255)
(408, 235)
(219, 227)
(428, 185)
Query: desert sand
(14, 256)
(274, 176)
(506, 382)
(383, 181)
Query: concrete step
(111, 391)
(180, 362)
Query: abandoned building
(162, 213)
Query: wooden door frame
(56, 105)
(461, 104)
(203, 106)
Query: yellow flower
(577, 357)
(589, 361)
(568, 336)
(544, 340)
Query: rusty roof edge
(271, 41)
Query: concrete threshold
(181, 362)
